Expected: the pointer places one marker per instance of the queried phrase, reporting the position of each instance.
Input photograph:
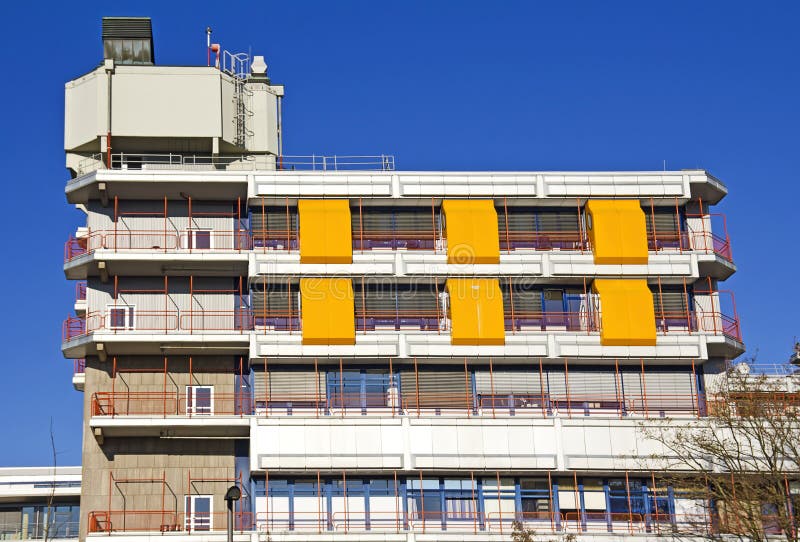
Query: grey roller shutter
(665, 220)
(507, 382)
(592, 385)
(283, 386)
(438, 388)
(631, 379)
(558, 220)
(669, 389)
(520, 219)
(274, 299)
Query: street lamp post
(233, 494)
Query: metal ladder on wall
(237, 65)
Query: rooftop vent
(128, 40)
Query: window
(535, 495)
(199, 239)
(198, 512)
(200, 400)
(459, 499)
(120, 317)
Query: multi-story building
(39, 503)
(366, 351)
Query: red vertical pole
(511, 302)
(686, 300)
(364, 306)
(360, 225)
(266, 491)
(237, 230)
(166, 306)
(438, 314)
(266, 389)
(189, 240)
(541, 388)
(392, 386)
(505, 211)
(191, 382)
(618, 387)
(191, 304)
(264, 302)
(566, 385)
(240, 303)
(653, 224)
(289, 297)
(466, 387)
(577, 497)
(165, 223)
(678, 226)
(580, 225)
(264, 227)
(433, 222)
(416, 379)
(491, 384)
(116, 219)
(644, 390)
(661, 303)
(288, 227)
(110, 490)
(341, 388)
(165, 387)
(695, 404)
(316, 383)
(163, 490)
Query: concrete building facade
(370, 353)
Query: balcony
(147, 252)
(79, 374)
(147, 332)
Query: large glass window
(619, 497)
(534, 498)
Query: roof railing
(242, 162)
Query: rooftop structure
(366, 351)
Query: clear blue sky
(442, 85)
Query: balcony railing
(245, 320)
(524, 321)
(79, 366)
(314, 162)
(400, 320)
(238, 321)
(543, 240)
(283, 240)
(399, 521)
(169, 404)
(163, 521)
(395, 403)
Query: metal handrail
(248, 162)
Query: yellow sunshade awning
(325, 231)
(327, 310)
(617, 231)
(471, 231)
(627, 316)
(476, 312)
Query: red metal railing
(543, 240)
(372, 320)
(125, 403)
(80, 290)
(78, 366)
(166, 521)
(394, 240)
(720, 324)
(703, 239)
(154, 321)
(520, 321)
